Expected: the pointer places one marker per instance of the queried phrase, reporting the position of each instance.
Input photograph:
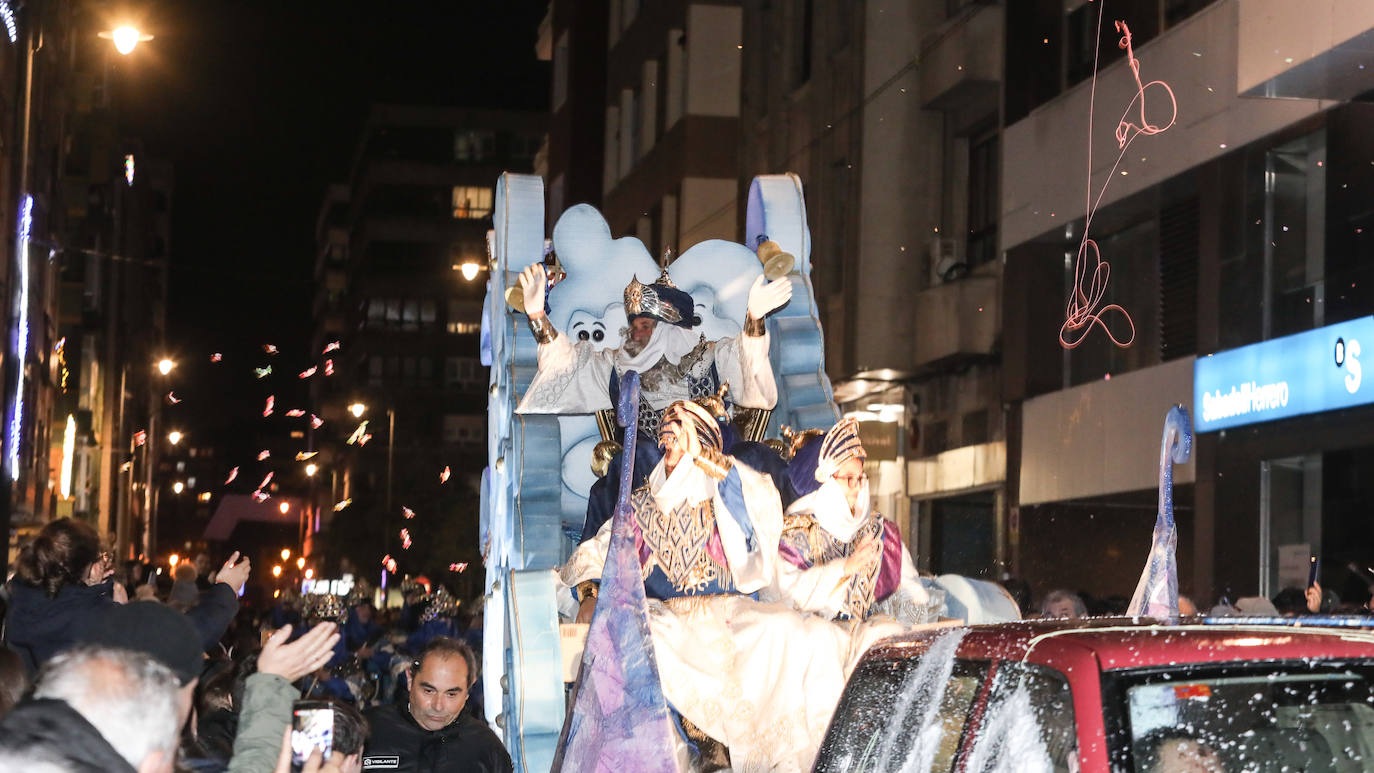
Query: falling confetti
(308, 372)
(264, 454)
(303, 455)
(140, 437)
(341, 505)
(261, 496)
(172, 399)
(269, 348)
(216, 357)
(328, 367)
(266, 481)
(234, 473)
(315, 421)
(267, 409)
(405, 539)
(458, 567)
(263, 372)
(294, 412)
(389, 563)
(443, 476)
(330, 347)
(357, 433)
(407, 512)
(362, 441)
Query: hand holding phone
(1314, 568)
(312, 727)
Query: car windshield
(1251, 717)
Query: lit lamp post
(125, 38)
(358, 409)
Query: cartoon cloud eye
(583, 335)
(597, 335)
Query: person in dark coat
(430, 732)
(62, 584)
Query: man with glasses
(840, 558)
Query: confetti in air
(140, 437)
(443, 476)
(294, 412)
(405, 539)
(1090, 273)
(389, 563)
(357, 434)
(172, 399)
(261, 496)
(341, 505)
(362, 441)
(216, 357)
(407, 512)
(269, 348)
(332, 346)
(264, 454)
(328, 367)
(234, 473)
(458, 567)
(315, 421)
(303, 455)
(266, 481)
(308, 372)
(267, 409)
(263, 372)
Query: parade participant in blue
(674, 363)
(758, 677)
(840, 558)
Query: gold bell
(776, 263)
(515, 298)
(602, 455)
(515, 295)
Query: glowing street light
(178, 487)
(125, 38)
(174, 436)
(285, 554)
(284, 507)
(309, 574)
(165, 365)
(300, 562)
(469, 270)
(173, 559)
(357, 409)
(311, 469)
(276, 570)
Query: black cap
(156, 630)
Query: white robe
(575, 378)
(761, 678)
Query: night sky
(259, 105)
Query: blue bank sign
(1310, 372)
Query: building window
(464, 430)
(472, 146)
(471, 202)
(465, 372)
(427, 313)
(982, 198)
(374, 371)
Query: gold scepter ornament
(515, 296)
(776, 262)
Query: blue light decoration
(1309, 372)
(21, 347)
(7, 15)
(128, 164)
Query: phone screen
(1313, 570)
(312, 727)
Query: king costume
(761, 678)
(674, 364)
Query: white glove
(767, 296)
(532, 286)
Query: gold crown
(841, 444)
(644, 299)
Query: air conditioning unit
(946, 260)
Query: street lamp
(165, 365)
(178, 487)
(276, 570)
(357, 409)
(469, 270)
(126, 38)
(285, 554)
(311, 469)
(174, 436)
(300, 562)
(284, 508)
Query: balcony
(1321, 49)
(957, 320)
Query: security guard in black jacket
(429, 733)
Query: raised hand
(532, 285)
(234, 574)
(867, 553)
(767, 296)
(300, 657)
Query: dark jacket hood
(57, 729)
(38, 627)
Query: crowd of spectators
(182, 678)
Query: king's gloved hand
(767, 296)
(532, 286)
